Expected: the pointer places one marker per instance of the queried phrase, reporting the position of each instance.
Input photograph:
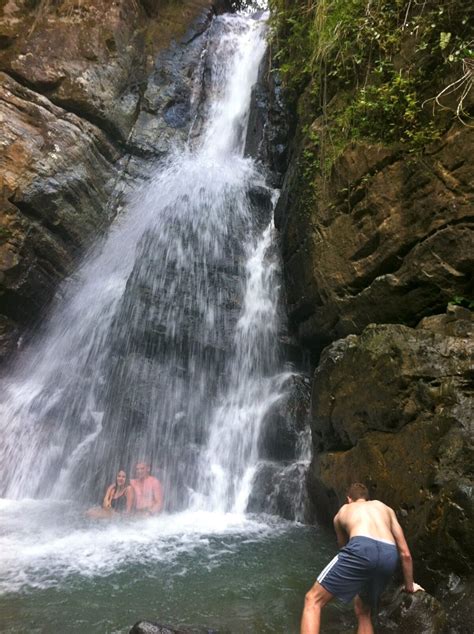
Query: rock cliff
(376, 225)
(376, 211)
(389, 239)
(87, 88)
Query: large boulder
(410, 613)
(393, 407)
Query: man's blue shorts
(364, 567)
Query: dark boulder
(286, 420)
(280, 490)
(418, 613)
(456, 595)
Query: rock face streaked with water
(87, 90)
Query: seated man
(371, 542)
(148, 493)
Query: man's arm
(404, 552)
(157, 497)
(341, 535)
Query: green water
(242, 578)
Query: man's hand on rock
(414, 587)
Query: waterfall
(163, 344)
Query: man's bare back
(365, 518)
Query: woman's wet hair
(127, 482)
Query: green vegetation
(391, 71)
(466, 302)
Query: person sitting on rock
(118, 499)
(371, 542)
(148, 493)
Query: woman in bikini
(118, 499)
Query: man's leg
(314, 601)
(362, 612)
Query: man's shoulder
(379, 504)
(380, 507)
(341, 512)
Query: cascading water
(232, 447)
(162, 346)
(165, 341)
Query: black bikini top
(119, 504)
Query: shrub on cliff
(386, 70)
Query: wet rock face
(87, 89)
(279, 485)
(93, 58)
(456, 595)
(269, 123)
(285, 421)
(388, 238)
(409, 613)
(281, 490)
(393, 408)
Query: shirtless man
(371, 541)
(148, 493)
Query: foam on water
(69, 545)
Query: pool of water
(62, 573)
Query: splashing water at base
(225, 571)
(70, 545)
